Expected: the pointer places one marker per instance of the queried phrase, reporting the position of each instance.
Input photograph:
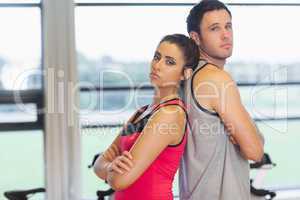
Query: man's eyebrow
(214, 24)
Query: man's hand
(229, 129)
(232, 140)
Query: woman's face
(167, 66)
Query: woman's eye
(170, 62)
(156, 57)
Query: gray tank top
(212, 168)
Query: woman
(142, 161)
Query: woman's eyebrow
(170, 57)
(157, 53)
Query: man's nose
(226, 34)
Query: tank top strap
(201, 64)
(190, 92)
(175, 101)
(139, 112)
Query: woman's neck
(162, 95)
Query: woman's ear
(195, 36)
(187, 73)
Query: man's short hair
(196, 14)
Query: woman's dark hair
(195, 17)
(188, 47)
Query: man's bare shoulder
(212, 73)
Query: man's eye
(229, 27)
(215, 28)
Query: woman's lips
(154, 75)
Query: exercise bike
(260, 194)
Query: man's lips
(226, 46)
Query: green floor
(21, 157)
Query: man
(223, 137)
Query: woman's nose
(156, 65)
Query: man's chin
(226, 55)
(223, 57)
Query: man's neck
(218, 62)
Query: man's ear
(195, 36)
(187, 73)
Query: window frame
(27, 96)
(147, 88)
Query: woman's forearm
(118, 181)
(100, 167)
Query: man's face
(216, 37)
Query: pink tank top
(156, 182)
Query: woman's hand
(121, 163)
(111, 153)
